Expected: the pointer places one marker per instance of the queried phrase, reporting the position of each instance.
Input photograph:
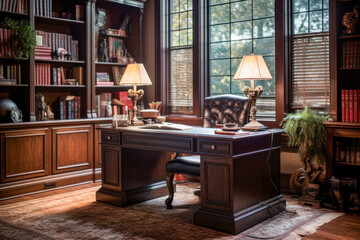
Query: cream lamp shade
(252, 67)
(135, 74)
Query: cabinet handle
(213, 147)
(108, 137)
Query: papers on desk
(166, 126)
(218, 131)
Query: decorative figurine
(41, 114)
(349, 20)
(108, 110)
(62, 54)
(104, 51)
(49, 113)
(9, 112)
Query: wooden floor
(345, 227)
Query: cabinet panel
(24, 154)
(72, 148)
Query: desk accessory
(136, 75)
(253, 67)
(217, 131)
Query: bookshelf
(62, 151)
(343, 134)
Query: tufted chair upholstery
(219, 109)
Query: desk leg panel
(131, 176)
(237, 192)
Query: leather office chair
(219, 109)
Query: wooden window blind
(310, 71)
(181, 80)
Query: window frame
(201, 64)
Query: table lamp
(136, 75)
(253, 67)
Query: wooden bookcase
(345, 71)
(35, 155)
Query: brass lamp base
(254, 127)
(253, 93)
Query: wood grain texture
(24, 154)
(72, 148)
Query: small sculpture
(104, 51)
(349, 20)
(49, 113)
(41, 114)
(62, 54)
(9, 112)
(108, 110)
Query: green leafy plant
(308, 134)
(24, 36)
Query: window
(238, 28)
(180, 97)
(310, 77)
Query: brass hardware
(108, 137)
(213, 147)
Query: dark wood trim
(161, 53)
(141, 35)
(282, 45)
(29, 186)
(90, 89)
(32, 66)
(333, 59)
(54, 123)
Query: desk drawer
(214, 147)
(156, 142)
(112, 138)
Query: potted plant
(24, 36)
(308, 134)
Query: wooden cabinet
(40, 156)
(343, 133)
(72, 148)
(25, 154)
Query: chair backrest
(226, 108)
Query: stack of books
(69, 107)
(16, 6)
(42, 74)
(350, 105)
(103, 79)
(10, 74)
(8, 48)
(42, 53)
(43, 8)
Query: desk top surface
(193, 132)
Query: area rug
(76, 215)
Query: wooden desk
(240, 175)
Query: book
(346, 101)
(78, 74)
(355, 106)
(351, 105)
(166, 126)
(219, 131)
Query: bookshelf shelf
(113, 35)
(14, 86)
(345, 163)
(60, 61)
(111, 64)
(13, 14)
(60, 86)
(57, 21)
(347, 69)
(13, 58)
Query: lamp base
(254, 126)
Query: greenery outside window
(238, 28)
(310, 77)
(180, 88)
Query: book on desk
(167, 126)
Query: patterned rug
(76, 215)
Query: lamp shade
(135, 74)
(252, 67)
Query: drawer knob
(108, 137)
(213, 147)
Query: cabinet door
(25, 154)
(72, 148)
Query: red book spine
(79, 107)
(351, 105)
(59, 82)
(356, 119)
(358, 104)
(343, 105)
(347, 115)
(48, 73)
(62, 76)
